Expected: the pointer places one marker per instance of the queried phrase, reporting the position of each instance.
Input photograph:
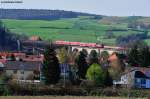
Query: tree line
(126, 40)
(93, 67)
(8, 41)
(96, 67)
(35, 14)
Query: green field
(75, 29)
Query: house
(38, 58)
(35, 38)
(65, 71)
(23, 70)
(135, 77)
(1, 67)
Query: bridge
(41, 45)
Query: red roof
(35, 38)
(34, 58)
(3, 60)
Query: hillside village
(77, 63)
(31, 65)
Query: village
(86, 65)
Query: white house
(136, 78)
(22, 70)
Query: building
(35, 38)
(23, 70)
(1, 67)
(65, 71)
(135, 77)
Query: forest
(32, 14)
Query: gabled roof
(22, 65)
(144, 70)
(35, 38)
(139, 74)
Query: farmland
(83, 29)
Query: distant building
(1, 67)
(22, 70)
(64, 74)
(135, 77)
(65, 71)
(35, 38)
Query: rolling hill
(83, 27)
(40, 14)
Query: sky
(101, 7)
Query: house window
(21, 78)
(22, 72)
(143, 81)
(15, 71)
(138, 81)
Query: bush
(97, 74)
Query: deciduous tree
(95, 73)
(63, 55)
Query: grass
(61, 97)
(82, 29)
(64, 29)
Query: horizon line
(75, 12)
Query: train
(91, 45)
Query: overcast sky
(102, 7)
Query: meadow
(82, 29)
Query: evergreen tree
(144, 56)
(82, 65)
(2, 34)
(139, 55)
(108, 80)
(93, 57)
(7, 39)
(133, 56)
(51, 69)
(85, 52)
(104, 58)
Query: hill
(34, 14)
(80, 27)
